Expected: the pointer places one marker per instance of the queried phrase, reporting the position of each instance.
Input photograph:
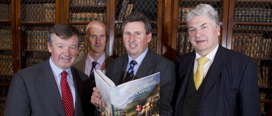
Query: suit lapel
(48, 81)
(120, 71)
(215, 70)
(146, 65)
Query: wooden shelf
(253, 23)
(79, 23)
(88, 6)
(4, 85)
(6, 49)
(262, 58)
(266, 100)
(7, 75)
(35, 50)
(8, 21)
(251, 0)
(152, 22)
(38, 23)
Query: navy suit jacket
(231, 87)
(152, 63)
(33, 91)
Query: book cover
(136, 97)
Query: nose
(198, 33)
(97, 40)
(66, 51)
(132, 38)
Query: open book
(136, 97)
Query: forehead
(96, 30)
(134, 26)
(199, 21)
(71, 41)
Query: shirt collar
(99, 61)
(211, 55)
(58, 70)
(140, 58)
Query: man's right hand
(96, 97)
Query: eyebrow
(200, 25)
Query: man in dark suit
(226, 85)
(52, 88)
(137, 33)
(96, 39)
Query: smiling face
(203, 34)
(64, 51)
(96, 38)
(135, 38)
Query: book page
(105, 78)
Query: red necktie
(67, 98)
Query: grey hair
(203, 9)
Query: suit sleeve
(18, 101)
(249, 92)
(167, 89)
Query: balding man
(96, 39)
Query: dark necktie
(67, 98)
(94, 63)
(130, 73)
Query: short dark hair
(64, 31)
(138, 17)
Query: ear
(49, 47)
(86, 39)
(149, 37)
(218, 30)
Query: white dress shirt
(209, 63)
(57, 74)
(89, 60)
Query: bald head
(96, 38)
(95, 24)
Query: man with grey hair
(52, 88)
(214, 81)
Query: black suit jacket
(231, 86)
(152, 63)
(33, 91)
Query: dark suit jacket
(33, 91)
(152, 63)
(80, 62)
(231, 86)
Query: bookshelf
(7, 40)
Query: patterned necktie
(130, 72)
(67, 98)
(94, 63)
(198, 77)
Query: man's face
(64, 51)
(96, 39)
(135, 38)
(203, 34)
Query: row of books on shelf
(81, 28)
(183, 44)
(37, 40)
(184, 10)
(5, 39)
(38, 12)
(263, 73)
(3, 93)
(5, 79)
(6, 67)
(5, 12)
(252, 15)
(263, 97)
(253, 45)
(83, 17)
(33, 61)
(84, 47)
(120, 49)
(252, 28)
(88, 2)
(125, 10)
